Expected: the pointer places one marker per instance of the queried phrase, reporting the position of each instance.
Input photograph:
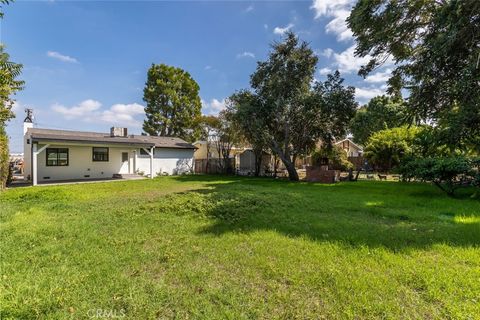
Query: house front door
(125, 163)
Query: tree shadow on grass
(394, 216)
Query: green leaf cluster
(385, 149)
(447, 173)
(382, 112)
(287, 110)
(436, 49)
(173, 103)
(9, 85)
(336, 156)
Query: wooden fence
(214, 166)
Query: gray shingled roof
(38, 134)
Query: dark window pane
(57, 156)
(100, 154)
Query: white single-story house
(55, 155)
(351, 148)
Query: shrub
(4, 160)
(447, 173)
(334, 156)
(386, 148)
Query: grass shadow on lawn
(397, 216)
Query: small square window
(100, 154)
(57, 157)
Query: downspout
(31, 160)
(32, 173)
(152, 151)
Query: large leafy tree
(291, 113)
(227, 135)
(9, 85)
(436, 47)
(208, 125)
(244, 106)
(379, 113)
(173, 102)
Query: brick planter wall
(322, 174)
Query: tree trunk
(275, 166)
(227, 148)
(292, 172)
(258, 161)
(208, 154)
(220, 157)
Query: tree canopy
(386, 148)
(9, 85)
(288, 109)
(436, 48)
(173, 102)
(244, 107)
(379, 113)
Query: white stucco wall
(171, 161)
(27, 157)
(80, 164)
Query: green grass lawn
(239, 248)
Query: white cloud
(363, 94)
(213, 107)
(325, 7)
(265, 26)
(327, 52)
(123, 114)
(379, 76)
(249, 8)
(339, 26)
(246, 54)
(82, 110)
(325, 71)
(338, 10)
(347, 62)
(90, 111)
(61, 57)
(17, 107)
(281, 31)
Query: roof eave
(128, 143)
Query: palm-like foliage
(9, 85)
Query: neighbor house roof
(38, 134)
(351, 142)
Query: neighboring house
(246, 163)
(213, 157)
(351, 148)
(201, 150)
(70, 155)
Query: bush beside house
(4, 157)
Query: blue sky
(85, 62)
